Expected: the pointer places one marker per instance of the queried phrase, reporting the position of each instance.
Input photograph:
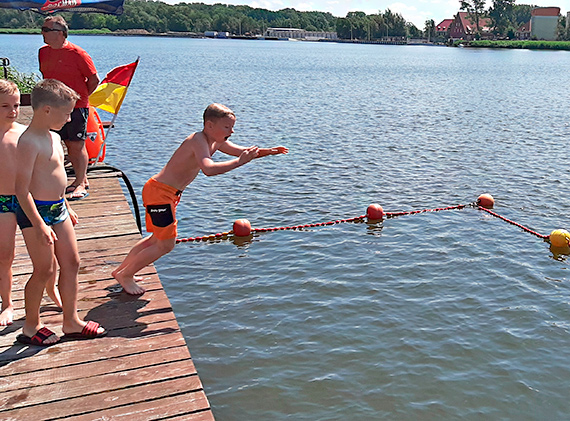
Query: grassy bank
(530, 45)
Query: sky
(415, 11)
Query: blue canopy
(113, 7)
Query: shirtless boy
(10, 131)
(44, 215)
(161, 194)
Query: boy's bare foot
(116, 271)
(7, 316)
(129, 284)
(53, 293)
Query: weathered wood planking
(141, 370)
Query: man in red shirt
(70, 64)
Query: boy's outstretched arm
(272, 151)
(232, 149)
(209, 167)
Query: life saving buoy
(95, 139)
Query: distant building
(463, 27)
(524, 31)
(294, 33)
(216, 34)
(442, 29)
(544, 23)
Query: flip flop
(38, 339)
(78, 196)
(89, 332)
(71, 188)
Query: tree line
(159, 17)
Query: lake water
(442, 315)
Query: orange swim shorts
(160, 201)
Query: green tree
(501, 14)
(521, 14)
(429, 29)
(413, 31)
(475, 9)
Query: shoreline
(494, 44)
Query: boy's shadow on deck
(122, 315)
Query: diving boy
(10, 131)
(44, 216)
(161, 193)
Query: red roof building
(443, 27)
(462, 27)
(524, 31)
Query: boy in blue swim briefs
(10, 131)
(44, 217)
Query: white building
(294, 33)
(544, 23)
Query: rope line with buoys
(242, 227)
(544, 237)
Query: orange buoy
(375, 212)
(560, 238)
(95, 140)
(242, 228)
(486, 201)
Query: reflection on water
(451, 314)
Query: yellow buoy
(560, 238)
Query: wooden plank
(129, 403)
(141, 370)
(86, 386)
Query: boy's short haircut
(53, 93)
(58, 23)
(216, 111)
(7, 87)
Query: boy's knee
(71, 263)
(45, 271)
(6, 257)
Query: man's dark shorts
(76, 129)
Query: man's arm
(92, 83)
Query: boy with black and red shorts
(161, 194)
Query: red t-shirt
(71, 65)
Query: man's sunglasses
(44, 29)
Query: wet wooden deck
(142, 370)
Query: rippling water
(450, 315)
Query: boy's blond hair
(58, 23)
(216, 111)
(7, 87)
(53, 93)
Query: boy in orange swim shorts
(161, 194)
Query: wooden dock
(141, 370)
